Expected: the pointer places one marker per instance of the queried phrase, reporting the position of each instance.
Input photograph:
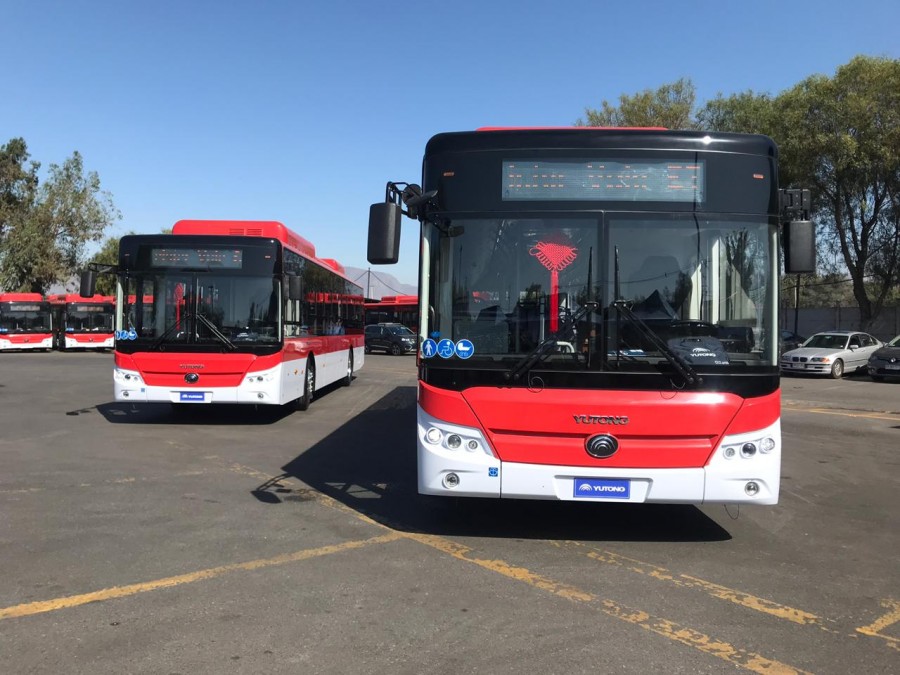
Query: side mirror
(295, 287)
(799, 247)
(384, 233)
(88, 284)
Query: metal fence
(811, 320)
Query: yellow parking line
(671, 630)
(40, 607)
(737, 597)
(664, 627)
(874, 629)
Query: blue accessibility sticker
(446, 348)
(429, 348)
(465, 349)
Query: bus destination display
(660, 180)
(194, 258)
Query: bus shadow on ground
(223, 414)
(369, 465)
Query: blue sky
(301, 112)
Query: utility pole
(797, 306)
(369, 283)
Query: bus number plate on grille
(192, 396)
(602, 488)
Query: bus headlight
(127, 377)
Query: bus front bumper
(262, 388)
(475, 472)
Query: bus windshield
(25, 318)
(700, 284)
(89, 318)
(201, 311)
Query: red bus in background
(232, 312)
(25, 322)
(83, 323)
(403, 309)
(579, 294)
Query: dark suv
(394, 338)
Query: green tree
(44, 242)
(840, 136)
(108, 254)
(18, 184)
(670, 106)
(743, 113)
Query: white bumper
(260, 387)
(46, 343)
(478, 473)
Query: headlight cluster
(749, 449)
(127, 377)
(265, 377)
(453, 440)
(821, 359)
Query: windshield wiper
(545, 346)
(681, 366)
(216, 332)
(206, 322)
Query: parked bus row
(586, 303)
(30, 321)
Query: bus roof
(396, 300)
(585, 138)
(21, 297)
(271, 229)
(76, 297)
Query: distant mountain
(379, 283)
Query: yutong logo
(600, 419)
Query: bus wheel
(348, 379)
(309, 386)
(837, 369)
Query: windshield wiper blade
(681, 366)
(545, 346)
(157, 343)
(216, 332)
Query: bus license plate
(602, 488)
(192, 397)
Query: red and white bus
(25, 322)
(403, 309)
(599, 310)
(232, 312)
(83, 323)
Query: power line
(384, 283)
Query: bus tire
(348, 378)
(309, 385)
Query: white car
(832, 353)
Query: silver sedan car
(885, 362)
(832, 353)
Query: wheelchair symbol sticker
(446, 348)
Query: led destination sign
(193, 258)
(658, 181)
